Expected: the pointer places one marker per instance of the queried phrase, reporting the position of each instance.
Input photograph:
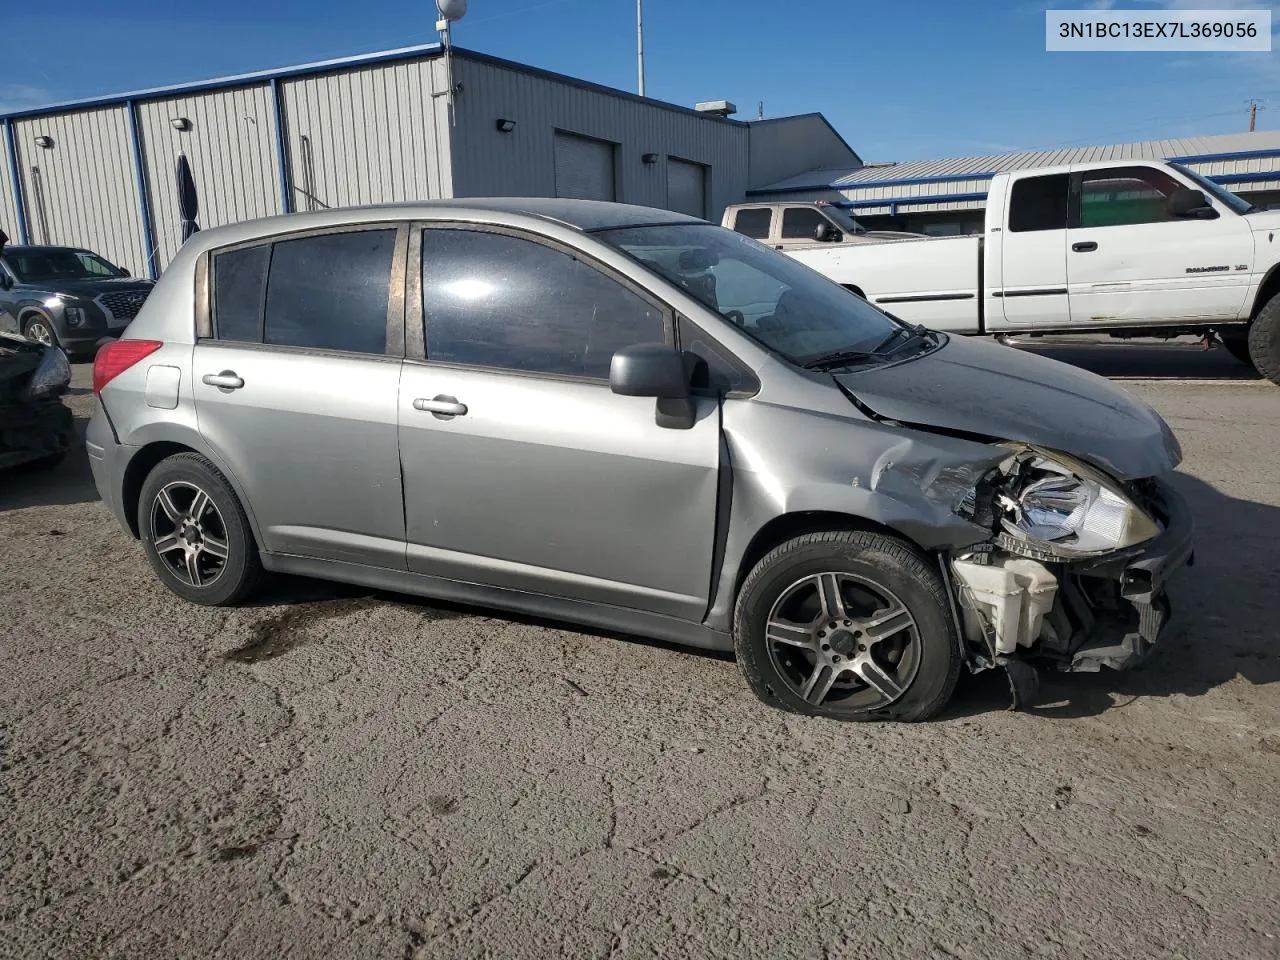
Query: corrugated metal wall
(82, 191)
(232, 153)
(782, 147)
(372, 135)
(8, 214)
(522, 162)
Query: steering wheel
(736, 317)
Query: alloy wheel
(843, 642)
(189, 534)
(39, 331)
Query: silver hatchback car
(634, 420)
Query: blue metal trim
(868, 184)
(1217, 157)
(286, 201)
(1243, 177)
(19, 202)
(236, 80)
(144, 201)
(893, 202)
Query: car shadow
(70, 482)
(1180, 359)
(1223, 626)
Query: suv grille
(124, 306)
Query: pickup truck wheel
(1264, 340)
(848, 625)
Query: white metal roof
(978, 168)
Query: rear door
(521, 468)
(1033, 287)
(754, 222)
(1130, 261)
(296, 388)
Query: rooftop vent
(717, 108)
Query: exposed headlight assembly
(1064, 509)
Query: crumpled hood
(1000, 392)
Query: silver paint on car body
(550, 496)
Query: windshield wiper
(914, 333)
(840, 358)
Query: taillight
(113, 359)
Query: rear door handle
(441, 406)
(226, 380)
(1084, 246)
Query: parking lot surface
(333, 773)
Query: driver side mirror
(1186, 203)
(659, 371)
(825, 233)
(6, 281)
(124, 273)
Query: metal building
(400, 125)
(948, 196)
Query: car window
(800, 223)
(239, 288)
(1121, 196)
(754, 222)
(1039, 203)
(330, 292)
(95, 266)
(494, 300)
(725, 376)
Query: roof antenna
(760, 111)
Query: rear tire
(848, 625)
(1264, 340)
(195, 533)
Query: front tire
(40, 329)
(848, 625)
(1264, 340)
(195, 533)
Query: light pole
(640, 43)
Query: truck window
(754, 222)
(1121, 196)
(1039, 203)
(799, 223)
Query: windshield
(776, 300)
(1238, 204)
(40, 266)
(847, 222)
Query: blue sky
(902, 80)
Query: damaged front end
(1073, 576)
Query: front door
(521, 468)
(296, 391)
(1129, 261)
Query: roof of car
(38, 248)
(585, 215)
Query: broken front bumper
(1080, 615)
(1141, 577)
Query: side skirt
(598, 615)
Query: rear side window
(330, 292)
(492, 300)
(1039, 203)
(753, 223)
(799, 223)
(239, 288)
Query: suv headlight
(1064, 507)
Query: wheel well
(1270, 287)
(135, 475)
(28, 313)
(789, 525)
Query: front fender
(786, 463)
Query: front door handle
(1084, 246)
(226, 380)
(441, 406)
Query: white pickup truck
(1130, 248)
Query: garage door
(686, 187)
(584, 168)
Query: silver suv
(634, 420)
